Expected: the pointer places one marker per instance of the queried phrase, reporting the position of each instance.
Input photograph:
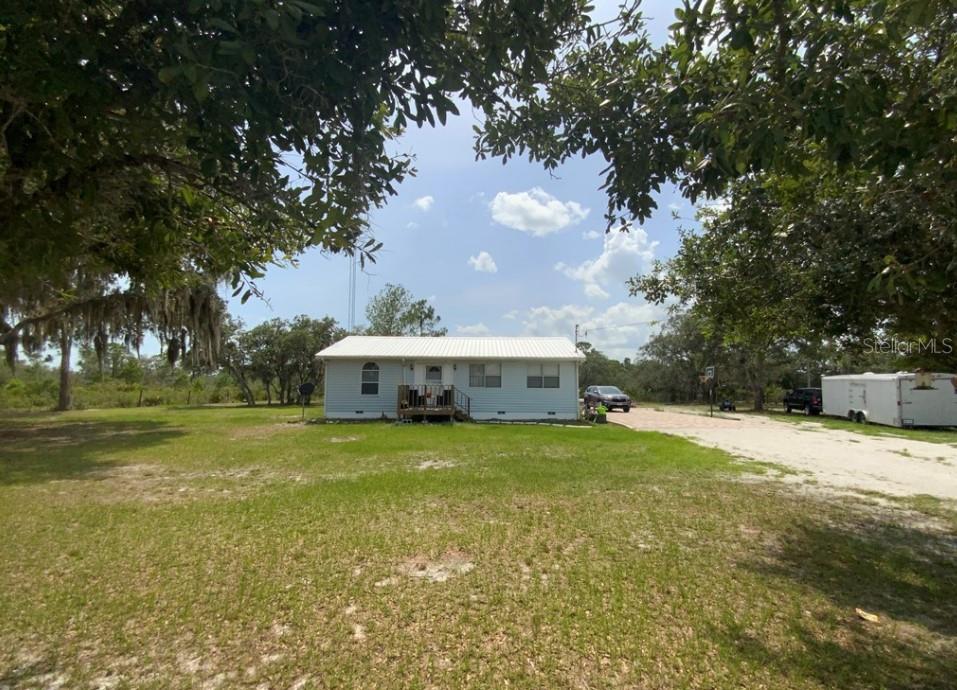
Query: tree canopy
(280, 354)
(156, 139)
(150, 149)
(836, 118)
(394, 311)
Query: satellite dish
(307, 389)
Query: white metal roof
(448, 347)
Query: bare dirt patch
(153, 483)
(451, 564)
(434, 464)
(262, 431)
(343, 439)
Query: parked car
(808, 400)
(727, 405)
(609, 396)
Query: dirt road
(838, 459)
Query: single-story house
(370, 377)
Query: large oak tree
(836, 118)
(155, 146)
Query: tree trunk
(268, 387)
(244, 388)
(758, 379)
(66, 344)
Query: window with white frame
(485, 375)
(542, 376)
(370, 378)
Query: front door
(433, 374)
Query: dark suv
(806, 399)
(609, 396)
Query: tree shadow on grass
(906, 575)
(41, 452)
(31, 674)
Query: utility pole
(576, 335)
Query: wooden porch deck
(433, 400)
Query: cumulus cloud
(424, 203)
(535, 211)
(714, 206)
(619, 331)
(591, 235)
(483, 263)
(511, 315)
(623, 255)
(474, 329)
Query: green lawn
(931, 435)
(230, 548)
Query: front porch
(433, 400)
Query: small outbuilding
(519, 378)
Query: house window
(485, 375)
(370, 378)
(542, 376)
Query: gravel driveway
(841, 460)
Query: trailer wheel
(850, 415)
(860, 418)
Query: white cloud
(474, 329)
(591, 235)
(411, 225)
(535, 211)
(618, 331)
(623, 255)
(674, 207)
(424, 203)
(714, 206)
(483, 263)
(511, 315)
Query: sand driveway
(838, 459)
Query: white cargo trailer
(901, 399)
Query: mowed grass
(947, 435)
(233, 548)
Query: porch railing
(432, 398)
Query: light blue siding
(343, 391)
(516, 400)
(513, 401)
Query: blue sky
(498, 250)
